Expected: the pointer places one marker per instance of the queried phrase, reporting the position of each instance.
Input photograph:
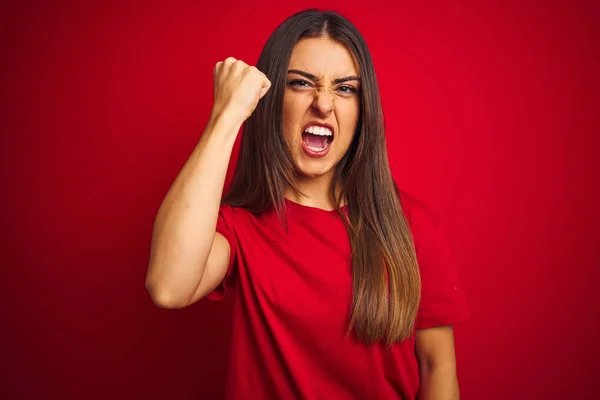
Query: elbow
(163, 298)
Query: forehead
(323, 56)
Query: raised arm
(188, 259)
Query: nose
(323, 101)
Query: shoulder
(230, 217)
(239, 217)
(232, 213)
(421, 219)
(227, 211)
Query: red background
(491, 110)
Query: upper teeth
(319, 130)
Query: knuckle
(255, 72)
(247, 71)
(239, 64)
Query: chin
(312, 168)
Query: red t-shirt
(292, 307)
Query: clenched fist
(238, 88)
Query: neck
(314, 192)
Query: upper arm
(434, 347)
(215, 269)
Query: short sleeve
(224, 227)
(442, 299)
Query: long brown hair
(386, 282)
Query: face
(321, 105)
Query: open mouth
(317, 138)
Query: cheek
(293, 111)
(349, 115)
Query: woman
(344, 288)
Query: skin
(435, 352)
(320, 99)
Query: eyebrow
(314, 78)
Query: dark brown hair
(386, 282)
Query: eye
(299, 83)
(347, 89)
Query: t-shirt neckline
(309, 209)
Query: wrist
(227, 116)
(225, 121)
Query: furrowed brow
(346, 79)
(314, 78)
(304, 74)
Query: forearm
(185, 224)
(438, 383)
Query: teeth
(319, 130)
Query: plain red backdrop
(491, 119)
